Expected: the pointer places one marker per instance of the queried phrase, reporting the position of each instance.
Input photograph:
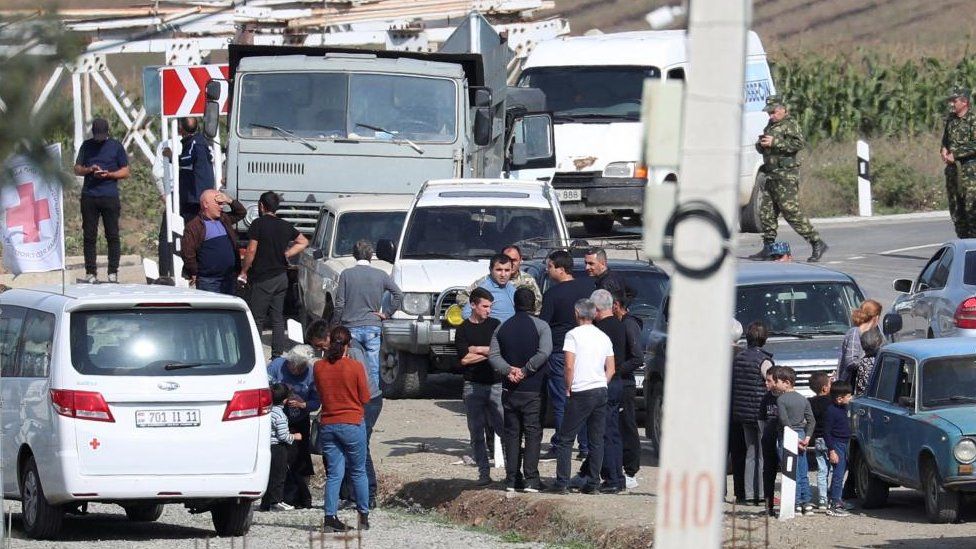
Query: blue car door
(878, 414)
(903, 429)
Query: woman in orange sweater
(341, 383)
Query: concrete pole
(696, 390)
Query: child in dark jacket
(769, 416)
(820, 384)
(837, 433)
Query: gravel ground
(107, 527)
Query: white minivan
(134, 395)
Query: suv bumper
(419, 337)
(602, 195)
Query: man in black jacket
(748, 390)
(633, 359)
(595, 263)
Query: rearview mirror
(902, 285)
(482, 126)
(891, 324)
(386, 250)
(214, 90)
(532, 142)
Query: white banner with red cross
(32, 217)
(183, 89)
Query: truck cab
(452, 230)
(593, 86)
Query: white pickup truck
(452, 229)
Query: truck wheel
(873, 490)
(143, 513)
(749, 221)
(41, 519)
(232, 517)
(941, 505)
(402, 375)
(598, 225)
(655, 405)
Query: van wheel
(41, 519)
(232, 517)
(655, 406)
(143, 513)
(941, 505)
(402, 375)
(749, 221)
(872, 490)
(598, 225)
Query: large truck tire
(749, 220)
(598, 225)
(403, 374)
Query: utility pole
(696, 390)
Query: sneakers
(282, 506)
(363, 521)
(558, 490)
(807, 508)
(91, 279)
(819, 248)
(113, 278)
(590, 489)
(631, 482)
(534, 487)
(578, 481)
(838, 511)
(333, 524)
(822, 505)
(609, 489)
(484, 480)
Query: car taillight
(965, 316)
(81, 405)
(250, 403)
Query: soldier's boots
(819, 248)
(765, 254)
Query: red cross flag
(183, 88)
(31, 218)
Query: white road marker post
(499, 452)
(788, 468)
(700, 244)
(863, 179)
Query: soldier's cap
(959, 91)
(772, 102)
(779, 249)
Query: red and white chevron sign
(183, 88)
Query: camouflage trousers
(780, 197)
(961, 194)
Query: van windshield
(590, 93)
(473, 232)
(161, 342)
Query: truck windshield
(143, 342)
(370, 226)
(804, 309)
(593, 93)
(336, 106)
(473, 232)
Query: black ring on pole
(708, 212)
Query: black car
(647, 283)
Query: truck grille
(574, 180)
(275, 168)
(303, 215)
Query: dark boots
(333, 524)
(819, 248)
(763, 254)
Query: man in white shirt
(589, 367)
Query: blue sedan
(915, 425)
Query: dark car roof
(618, 264)
(770, 272)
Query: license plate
(569, 195)
(451, 333)
(168, 418)
(639, 379)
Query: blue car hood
(956, 418)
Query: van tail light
(965, 316)
(250, 403)
(81, 405)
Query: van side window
(11, 322)
(38, 343)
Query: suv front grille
(450, 298)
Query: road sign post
(698, 241)
(863, 178)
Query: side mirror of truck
(482, 126)
(480, 97)
(211, 113)
(532, 142)
(891, 324)
(386, 250)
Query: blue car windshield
(949, 382)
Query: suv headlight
(251, 215)
(416, 304)
(625, 169)
(965, 451)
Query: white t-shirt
(591, 347)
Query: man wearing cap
(103, 162)
(959, 155)
(779, 144)
(196, 168)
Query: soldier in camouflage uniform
(779, 145)
(959, 155)
(519, 279)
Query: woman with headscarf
(293, 369)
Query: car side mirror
(386, 250)
(902, 285)
(532, 142)
(482, 126)
(318, 253)
(211, 112)
(891, 324)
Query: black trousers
(584, 409)
(629, 434)
(770, 452)
(296, 490)
(108, 209)
(522, 419)
(276, 479)
(267, 298)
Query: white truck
(452, 230)
(593, 86)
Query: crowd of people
(764, 403)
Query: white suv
(451, 232)
(135, 395)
